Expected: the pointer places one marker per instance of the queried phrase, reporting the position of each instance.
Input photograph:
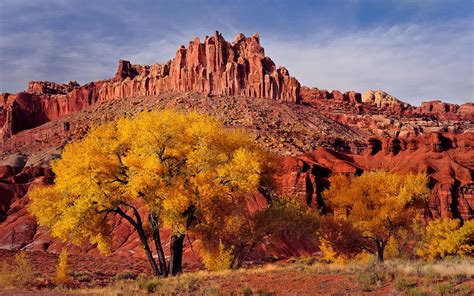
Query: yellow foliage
(445, 237)
(331, 256)
(20, 274)
(62, 269)
(219, 259)
(391, 250)
(377, 204)
(166, 161)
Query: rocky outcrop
(446, 111)
(448, 163)
(375, 102)
(214, 67)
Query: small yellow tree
(62, 269)
(446, 237)
(219, 259)
(376, 205)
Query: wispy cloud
(397, 46)
(414, 62)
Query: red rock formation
(446, 111)
(215, 67)
(447, 162)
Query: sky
(416, 50)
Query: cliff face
(379, 102)
(215, 67)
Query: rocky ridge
(215, 67)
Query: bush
(247, 291)
(329, 255)
(402, 284)
(83, 276)
(125, 275)
(372, 275)
(62, 269)
(415, 292)
(182, 284)
(464, 289)
(445, 289)
(149, 285)
(430, 276)
(220, 259)
(445, 237)
(20, 274)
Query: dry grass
(409, 277)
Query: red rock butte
(215, 67)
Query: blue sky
(414, 50)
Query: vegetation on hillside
(188, 173)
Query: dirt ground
(115, 275)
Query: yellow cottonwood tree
(164, 166)
(446, 237)
(376, 205)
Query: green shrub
(83, 276)
(402, 284)
(247, 291)
(464, 289)
(430, 276)
(445, 289)
(416, 291)
(374, 274)
(149, 285)
(125, 275)
(458, 278)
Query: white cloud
(414, 62)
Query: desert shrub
(214, 290)
(430, 276)
(373, 275)
(25, 273)
(416, 291)
(125, 275)
(402, 284)
(445, 289)
(83, 276)
(446, 237)
(6, 275)
(308, 260)
(464, 289)
(219, 259)
(458, 278)
(149, 285)
(19, 274)
(247, 291)
(331, 256)
(62, 269)
(183, 284)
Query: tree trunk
(158, 245)
(138, 225)
(148, 252)
(176, 254)
(177, 244)
(380, 244)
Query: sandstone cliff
(214, 67)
